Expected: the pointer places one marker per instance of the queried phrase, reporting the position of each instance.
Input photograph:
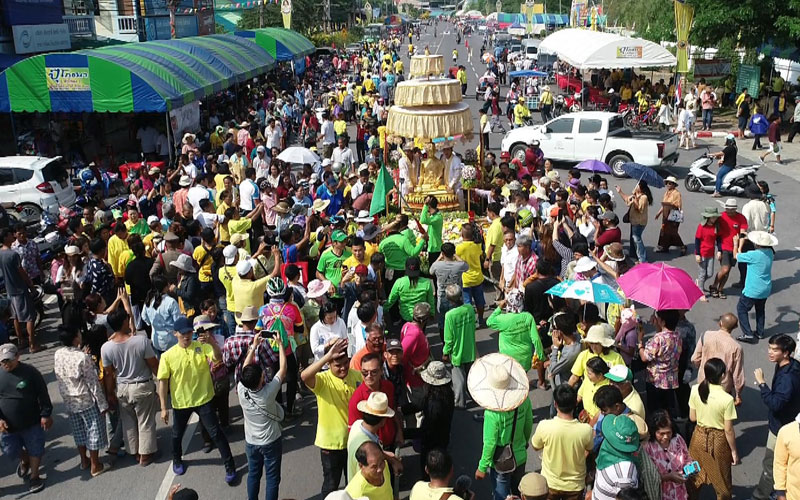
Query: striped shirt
(610, 480)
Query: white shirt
(608, 482)
(261, 165)
(162, 145)
(207, 220)
(194, 196)
(328, 134)
(404, 172)
(247, 190)
(356, 190)
(191, 171)
(454, 171)
(343, 156)
(508, 260)
(147, 137)
(273, 136)
(322, 333)
(757, 214)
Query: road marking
(169, 477)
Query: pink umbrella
(660, 286)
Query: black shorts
(727, 259)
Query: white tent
(586, 49)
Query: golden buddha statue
(432, 181)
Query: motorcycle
(700, 178)
(568, 104)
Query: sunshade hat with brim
(436, 373)
(185, 181)
(671, 179)
(613, 251)
(184, 263)
(363, 216)
(281, 208)
(72, 250)
(371, 231)
(497, 382)
(533, 485)
(249, 313)
(188, 136)
(762, 238)
(203, 322)
(585, 264)
(601, 333)
(709, 212)
(377, 404)
(317, 288)
(541, 194)
(320, 205)
(621, 433)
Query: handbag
(675, 216)
(504, 460)
(627, 217)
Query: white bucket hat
(601, 333)
(498, 382)
(762, 238)
(377, 404)
(584, 264)
(363, 216)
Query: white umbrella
(298, 155)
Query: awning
(770, 50)
(281, 44)
(586, 49)
(136, 77)
(551, 19)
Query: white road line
(169, 476)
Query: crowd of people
(234, 270)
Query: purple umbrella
(594, 166)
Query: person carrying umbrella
(637, 202)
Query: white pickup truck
(594, 135)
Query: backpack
(279, 323)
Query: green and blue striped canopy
(282, 44)
(137, 77)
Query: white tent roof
(586, 49)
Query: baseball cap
(394, 345)
(619, 373)
(244, 267)
(8, 352)
(229, 252)
(183, 325)
(361, 270)
(152, 220)
(338, 236)
(607, 215)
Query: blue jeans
(638, 243)
(504, 485)
(260, 457)
(743, 310)
(708, 114)
(227, 316)
(721, 173)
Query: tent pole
(170, 139)
(14, 133)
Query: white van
(530, 47)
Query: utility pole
(327, 16)
(260, 14)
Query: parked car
(595, 135)
(354, 48)
(35, 184)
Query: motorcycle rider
(521, 113)
(727, 162)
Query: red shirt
(415, 352)
(730, 226)
(386, 433)
(708, 238)
(610, 235)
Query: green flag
(382, 187)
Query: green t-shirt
(518, 336)
(410, 296)
(459, 334)
(396, 248)
(330, 265)
(434, 223)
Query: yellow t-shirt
(626, 93)
(248, 293)
(714, 412)
(219, 183)
(470, 252)
(340, 127)
(240, 226)
(116, 246)
(586, 392)
(494, 236)
(564, 444)
(204, 260)
(148, 242)
(634, 402)
(358, 487)
(422, 491)
(226, 276)
(352, 262)
(224, 235)
(611, 358)
(189, 376)
(398, 66)
(333, 397)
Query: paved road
(301, 466)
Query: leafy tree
(306, 15)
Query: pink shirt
(416, 352)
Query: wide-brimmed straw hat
(613, 251)
(184, 263)
(320, 205)
(498, 382)
(377, 404)
(762, 238)
(317, 288)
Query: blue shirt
(336, 198)
(758, 283)
(162, 319)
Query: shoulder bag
(504, 460)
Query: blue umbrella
(594, 166)
(586, 290)
(647, 174)
(525, 73)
